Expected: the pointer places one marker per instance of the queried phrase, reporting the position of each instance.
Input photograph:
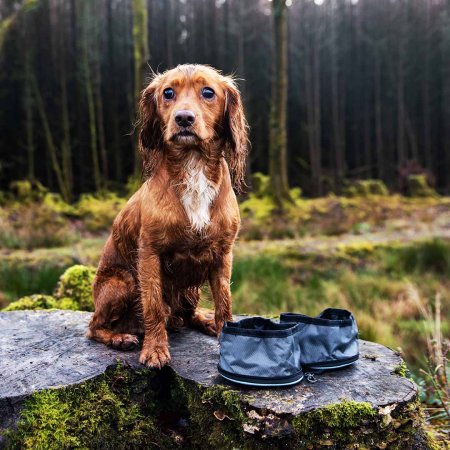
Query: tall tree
(141, 57)
(89, 90)
(278, 133)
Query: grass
(16, 282)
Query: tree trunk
(90, 96)
(49, 139)
(113, 108)
(427, 150)
(28, 109)
(277, 150)
(401, 147)
(317, 155)
(66, 150)
(141, 57)
(335, 102)
(378, 116)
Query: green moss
(402, 370)
(433, 444)
(216, 409)
(418, 186)
(138, 409)
(347, 414)
(114, 411)
(68, 303)
(352, 424)
(36, 301)
(76, 284)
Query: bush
(418, 186)
(366, 188)
(36, 301)
(27, 190)
(76, 284)
(99, 211)
(74, 291)
(33, 225)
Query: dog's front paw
(155, 356)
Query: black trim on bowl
(335, 363)
(297, 377)
(300, 318)
(279, 330)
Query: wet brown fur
(154, 261)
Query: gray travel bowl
(260, 352)
(328, 341)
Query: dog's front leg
(155, 349)
(219, 280)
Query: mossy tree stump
(60, 390)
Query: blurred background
(348, 103)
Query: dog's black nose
(184, 118)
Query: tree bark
(49, 139)
(89, 92)
(277, 150)
(141, 57)
(335, 102)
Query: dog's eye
(207, 93)
(168, 94)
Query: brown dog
(177, 231)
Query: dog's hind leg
(114, 293)
(194, 317)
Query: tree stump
(60, 390)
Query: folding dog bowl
(260, 352)
(328, 341)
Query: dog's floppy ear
(236, 133)
(150, 134)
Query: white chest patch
(198, 195)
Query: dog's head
(192, 107)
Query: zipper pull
(310, 377)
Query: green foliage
(33, 225)
(134, 182)
(36, 301)
(367, 188)
(76, 284)
(27, 190)
(418, 186)
(56, 203)
(98, 211)
(258, 208)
